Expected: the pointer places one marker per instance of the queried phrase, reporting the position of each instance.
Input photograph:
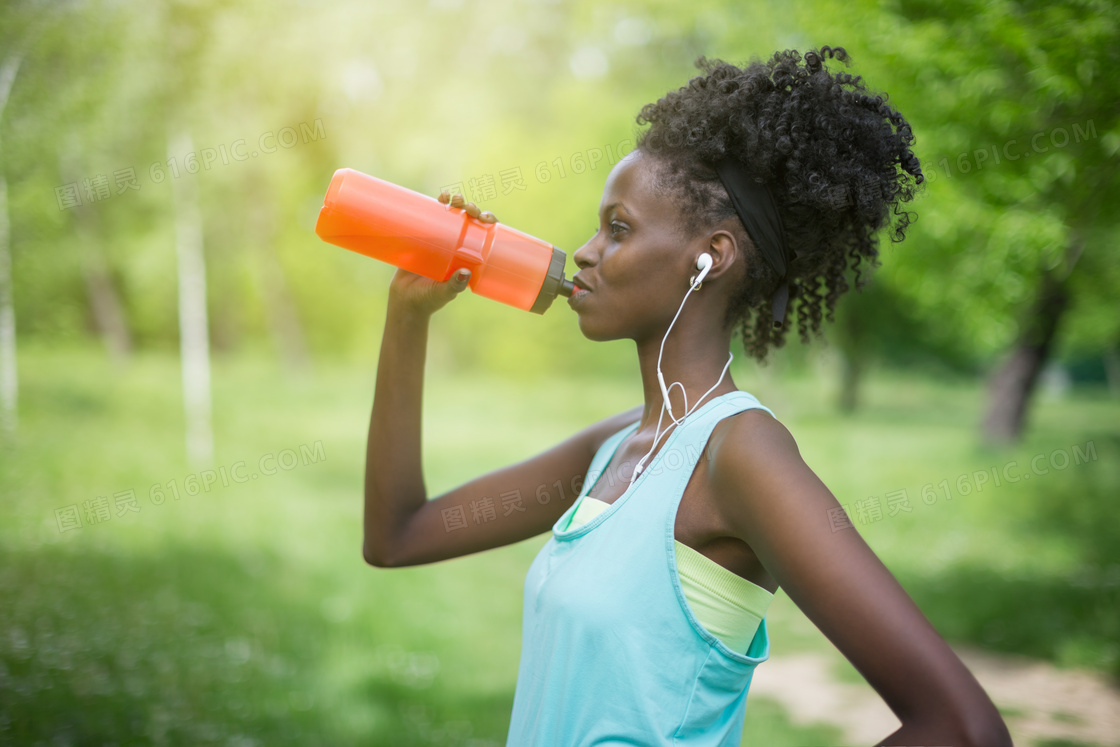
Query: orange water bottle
(421, 234)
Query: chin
(600, 335)
(597, 334)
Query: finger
(444, 197)
(457, 200)
(460, 279)
(487, 217)
(472, 210)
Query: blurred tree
(21, 25)
(188, 27)
(104, 299)
(1023, 93)
(1017, 126)
(283, 321)
(194, 336)
(9, 381)
(878, 324)
(563, 82)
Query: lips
(578, 295)
(579, 283)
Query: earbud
(704, 265)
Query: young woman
(644, 613)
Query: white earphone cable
(665, 404)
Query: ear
(725, 253)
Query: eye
(614, 230)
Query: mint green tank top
(611, 651)
(725, 603)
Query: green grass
(244, 614)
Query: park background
(169, 321)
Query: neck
(695, 356)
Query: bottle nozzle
(567, 287)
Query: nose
(585, 255)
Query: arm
(422, 533)
(779, 507)
(401, 526)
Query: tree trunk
(9, 377)
(1011, 386)
(194, 340)
(854, 319)
(1112, 369)
(108, 312)
(849, 381)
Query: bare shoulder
(752, 450)
(762, 485)
(751, 432)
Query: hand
(457, 201)
(427, 296)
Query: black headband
(759, 214)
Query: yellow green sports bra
(726, 604)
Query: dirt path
(1040, 702)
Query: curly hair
(835, 156)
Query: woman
(644, 613)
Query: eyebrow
(619, 204)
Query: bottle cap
(554, 283)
